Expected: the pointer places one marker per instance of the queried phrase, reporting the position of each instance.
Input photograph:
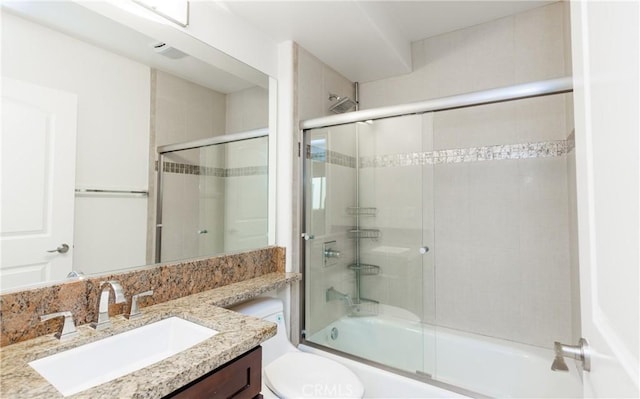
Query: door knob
(62, 249)
(424, 250)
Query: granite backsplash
(20, 310)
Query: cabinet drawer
(241, 378)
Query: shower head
(342, 104)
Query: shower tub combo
(419, 252)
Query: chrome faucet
(103, 307)
(68, 328)
(578, 352)
(333, 294)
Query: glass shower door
(364, 200)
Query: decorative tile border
(187, 169)
(247, 171)
(475, 154)
(543, 149)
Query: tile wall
(502, 239)
(499, 176)
(522, 48)
(392, 183)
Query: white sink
(93, 364)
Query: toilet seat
(303, 375)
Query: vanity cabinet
(240, 378)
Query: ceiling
(367, 40)
(82, 23)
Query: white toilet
(292, 374)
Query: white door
(606, 47)
(38, 183)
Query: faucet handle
(579, 352)
(134, 313)
(68, 328)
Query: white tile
(405, 89)
(427, 131)
(493, 201)
(451, 204)
(491, 54)
(170, 121)
(539, 52)
(247, 110)
(398, 195)
(447, 60)
(398, 135)
(541, 119)
(373, 94)
(476, 126)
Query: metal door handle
(62, 249)
(423, 250)
(308, 236)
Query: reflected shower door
(364, 195)
(214, 199)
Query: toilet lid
(303, 375)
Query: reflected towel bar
(89, 191)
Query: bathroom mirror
(89, 101)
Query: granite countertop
(237, 334)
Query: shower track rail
(508, 93)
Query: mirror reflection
(87, 103)
(213, 198)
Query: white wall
(113, 133)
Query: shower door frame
(491, 96)
(191, 145)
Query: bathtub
(475, 363)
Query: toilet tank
(269, 309)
